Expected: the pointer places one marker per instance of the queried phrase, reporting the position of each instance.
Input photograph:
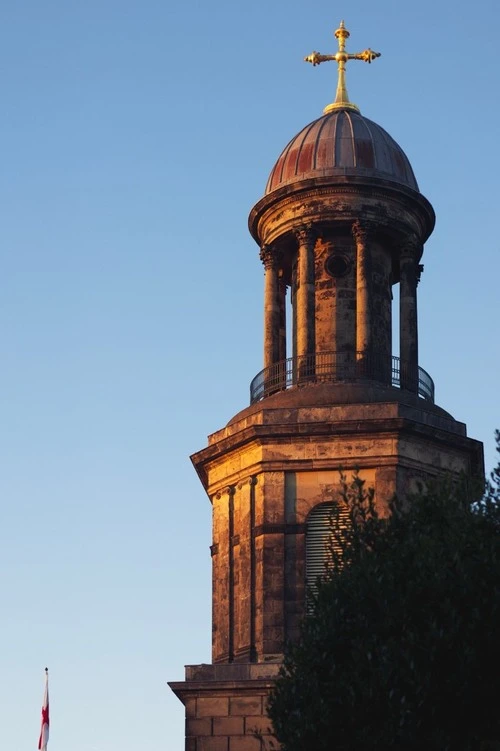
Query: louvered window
(318, 540)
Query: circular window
(337, 265)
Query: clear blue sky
(135, 136)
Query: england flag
(44, 733)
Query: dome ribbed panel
(398, 158)
(326, 137)
(345, 148)
(276, 174)
(365, 146)
(305, 154)
(342, 142)
(384, 154)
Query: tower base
(226, 706)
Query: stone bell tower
(341, 223)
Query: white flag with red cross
(44, 732)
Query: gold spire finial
(341, 57)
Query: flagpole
(44, 732)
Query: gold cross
(341, 98)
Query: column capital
(229, 490)
(411, 248)
(269, 256)
(361, 229)
(251, 480)
(305, 234)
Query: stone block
(263, 671)
(228, 726)
(245, 705)
(190, 744)
(208, 706)
(201, 726)
(276, 618)
(212, 744)
(202, 672)
(244, 743)
(231, 672)
(260, 725)
(190, 704)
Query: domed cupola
(342, 144)
(341, 221)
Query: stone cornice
(278, 434)
(316, 192)
(338, 185)
(187, 689)
(271, 528)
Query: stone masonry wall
(226, 706)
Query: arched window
(318, 545)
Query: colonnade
(305, 301)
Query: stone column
(293, 301)
(305, 299)
(364, 348)
(408, 326)
(282, 332)
(269, 258)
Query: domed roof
(342, 143)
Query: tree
(402, 650)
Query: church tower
(341, 223)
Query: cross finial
(341, 57)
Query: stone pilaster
(244, 571)
(223, 576)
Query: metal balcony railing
(337, 367)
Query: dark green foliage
(402, 650)
(492, 494)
